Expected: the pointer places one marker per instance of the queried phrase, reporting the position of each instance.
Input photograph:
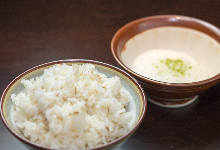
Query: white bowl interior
(203, 48)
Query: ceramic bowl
(192, 36)
(139, 105)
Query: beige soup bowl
(194, 37)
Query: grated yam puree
(72, 107)
(169, 66)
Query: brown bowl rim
(152, 81)
(133, 80)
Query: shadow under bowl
(192, 36)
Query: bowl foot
(173, 103)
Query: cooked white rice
(72, 107)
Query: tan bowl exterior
(163, 92)
(105, 68)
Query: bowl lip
(168, 16)
(111, 144)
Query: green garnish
(156, 66)
(177, 66)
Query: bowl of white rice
(73, 104)
(174, 57)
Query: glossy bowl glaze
(129, 82)
(192, 36)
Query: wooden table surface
(35, 32)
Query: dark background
(35, 32)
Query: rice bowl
(93, 121)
